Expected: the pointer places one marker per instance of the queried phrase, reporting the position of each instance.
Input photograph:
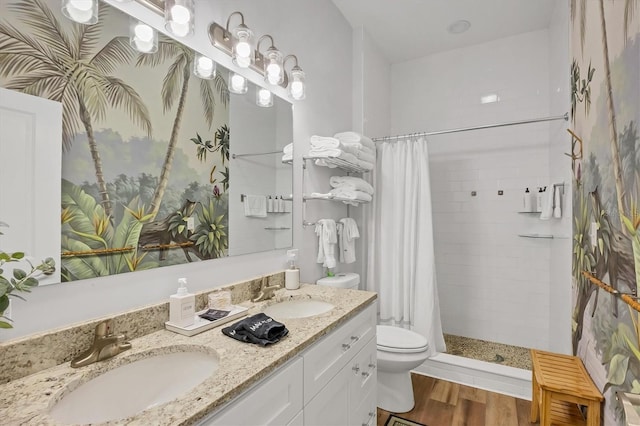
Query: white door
(30, 173)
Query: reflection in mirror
(145, 144)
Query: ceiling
(409, 29)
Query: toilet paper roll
(292, 279)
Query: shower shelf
(346, 200)
(543, 236)
(529, 213)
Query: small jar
(220, 299)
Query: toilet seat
(400, 340)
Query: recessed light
(458, 27)
(489, 99)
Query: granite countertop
(29, 399)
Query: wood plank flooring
(442, 403)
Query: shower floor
(513, 356)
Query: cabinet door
(273, 402)
(327, 357)
(330, 407)
(364, 414)
(363, 377)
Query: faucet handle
(104, 328)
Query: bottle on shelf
(527, 201)
(539, 197)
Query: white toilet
(399, 351)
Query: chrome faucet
(265, 291)
(105, 345)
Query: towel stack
(287, 153)
(352, 190)
(259, 329)
(359, 145)
(324, 148)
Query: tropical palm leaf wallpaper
(138, 191)
(605, 81)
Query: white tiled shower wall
(493, 284)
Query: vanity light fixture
(295, 83)
(272, 62)
(179, 17)
(237, 42)
(81, 11)
(237, 84)
(142, 37)
(204, 67)
(264, 97)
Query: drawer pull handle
(346, 346)
(355, 368)
(372, 366)
(365, 374)
(355, 338)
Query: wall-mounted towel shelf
(543, 236)
(339, 163)
(276, 228)
(332, 198)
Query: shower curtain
(400, 254)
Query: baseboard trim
(498, 378)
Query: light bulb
(297, 89)
(180, 14)
(81, 11)
(143, 32)
(237, 83)
(243, 61)
(81, 5)
(273, 69)
(205, 64)
(243, 49)
(143, 45)
(179, 30)
(264, 95)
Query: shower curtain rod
(564, 117)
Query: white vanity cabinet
(274, 401)
(333, 382)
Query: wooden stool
(560, 383)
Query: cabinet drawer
(363, 378)
(327, 357)
(276, 401)
(366, 413)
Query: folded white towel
(327, 239)
(351, 194)
(347, 234)
(366, 156)
(364, 164)
(288, 149)
(547, 203)
(255, 205)
(325, 196)
(351, 182)
(324, 142)
(355, 137)
(333, 153)
(287, 158)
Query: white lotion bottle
(292, 275)
(527, 207)
(182, 306)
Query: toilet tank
(342, 280)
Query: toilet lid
(401, 340)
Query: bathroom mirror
(148, 174)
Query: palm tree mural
(49, 62)
(174, 88)
(629, 11)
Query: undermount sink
(296, 308)
(132, 388)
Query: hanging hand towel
(557, 201)
(255, 205)
(327, 239)
(547, 203)
(348, 233)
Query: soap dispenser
(182, 306)
(292, 274)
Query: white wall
(493, 285)
(559, 143)
(317, 33)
